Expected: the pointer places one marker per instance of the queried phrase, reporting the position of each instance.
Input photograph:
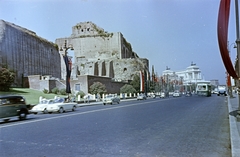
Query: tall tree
(136, 82)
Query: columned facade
(192, 74)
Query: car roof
(10, 96)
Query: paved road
(185, 126)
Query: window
(77, 87)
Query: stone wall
(84, 82)
(26, 53)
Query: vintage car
(110, 99)
(176, 94)
(42, 106)
(141, 97)
(12, 106)
(162, 95)
(59, 105)
(188, 93)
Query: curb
(234, 135)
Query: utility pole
(238, 55)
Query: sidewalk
(234, 125)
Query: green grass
(31, 95)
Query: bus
(204, 89)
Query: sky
(169, 33)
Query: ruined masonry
(99, 53)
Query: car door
(10, 107)
(2, 108)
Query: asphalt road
(182, 127)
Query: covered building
(22, 51)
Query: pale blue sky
(170, 33)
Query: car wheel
(104, 103)
(74, 108)
(22, 115)
(60, 110)
(111, 103)
(45, 111)
(50, 112)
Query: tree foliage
(81, 93)
(6, 79)
(136, 83)
(97, 88)
(127, 89)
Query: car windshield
(44, 102)
(60, 100)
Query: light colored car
(42, 106)
(110, 99)
(176, 94)
(162, 95)
(141, 97)
(59, 105)
(11, 106)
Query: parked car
(188, 93)
(42, 106)
(176, 94)
(141, 97)
(59, 105)
(12, 106)
(162, 95)
(110, 99)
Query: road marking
(62, 116)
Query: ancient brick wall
(99, 53)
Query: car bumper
(107, 101)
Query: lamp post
(68, 63)
(229, 84)
(238, 55)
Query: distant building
(214, 82)
(185, 77)
(22, 51)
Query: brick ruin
(99, 53)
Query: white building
(191, 75)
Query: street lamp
(229, 84)
(68, 63)
(238, 56)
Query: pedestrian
(88, 97)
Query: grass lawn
(31, 95)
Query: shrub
(55, 90)
(97, 88)
(127, 89)
(6, 79)
(81, 93)
(63, 92)
(45, 91)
